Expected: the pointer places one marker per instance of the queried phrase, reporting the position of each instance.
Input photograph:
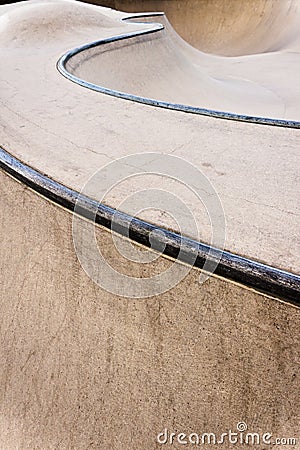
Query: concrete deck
(87, 368)
(262, 214)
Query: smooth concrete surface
(67, 132)
(179, 74)
(225, 27)
(175, 73)
(81, 368)
(85, 369)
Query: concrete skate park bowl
(131, 160)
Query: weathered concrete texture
(81, 368)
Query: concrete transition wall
(81, 368)
(225, 27)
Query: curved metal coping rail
(260, 277)
(157, 27)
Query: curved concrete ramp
(106, 202)
(226, 27)
(177, 74)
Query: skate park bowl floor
(227, 28)
(131, 159)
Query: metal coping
(260, 277)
